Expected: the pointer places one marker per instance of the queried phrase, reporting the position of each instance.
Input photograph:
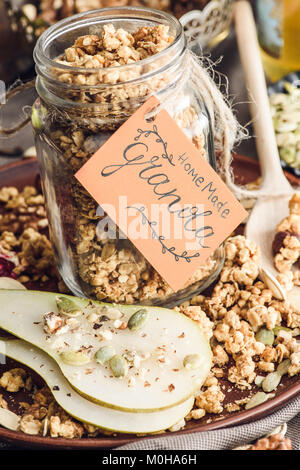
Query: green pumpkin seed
(276, 329)
(118, 365)
(192, 361)
(271, 381)
(282, 369)
(265, 336)
(259, 380)
(104, 354)
(258, 399)
(35, 119)
(67, 307)
(74, 358)
(138, 319)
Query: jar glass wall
(78, 110)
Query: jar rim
(63, 26)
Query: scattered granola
(239, 306)
(286, 245)
(26, 253)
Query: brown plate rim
(111, 441)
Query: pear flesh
(86, 411)
(157, 380)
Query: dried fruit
(118, 365)
(7, 267)
(138, 319)
(278, 241)
(74, 358)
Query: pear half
(86, 411)
(160, 379)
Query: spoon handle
(273, 176)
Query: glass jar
(74, 117)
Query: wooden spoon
(268, 211)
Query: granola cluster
(26, 253)
(100, 57)
(111, 269)
(42, 415)
(286, 245)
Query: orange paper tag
(162, 194)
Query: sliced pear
(84, 410)
(156, 377)
(10, 283)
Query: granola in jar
(89, 84)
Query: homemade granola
(107, 268)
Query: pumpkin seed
(258, 380)
(284, 126)
(271, 381)
(276, 329)
(265, 336)
(9, 420)
(282, 369)
(74, 358)
(67, 307)
(138, 319)
(35, 119)
(192, 361)
(258, 399)
(288, 154)
(104, 354)
(118, 365)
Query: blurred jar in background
(278, 27)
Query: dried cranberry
(279, 239)
(6, 268)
